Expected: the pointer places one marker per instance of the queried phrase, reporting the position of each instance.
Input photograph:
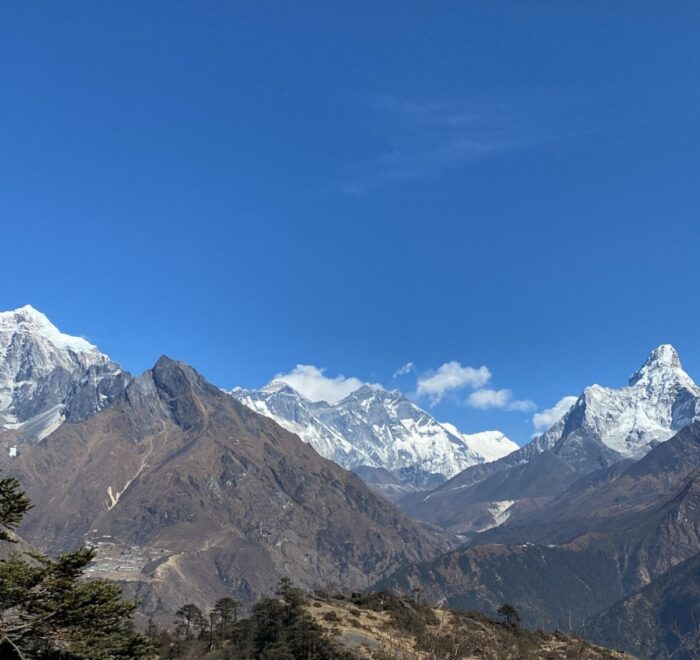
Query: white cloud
(406, 369)
(486, 398)
(545, 419)
(310, 381)
(522, 405)
(451, 376)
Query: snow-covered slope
(605, 425)
(491, 445)
(376, 428)
(660, 399)
(47, 377)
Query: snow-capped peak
(369, 391)
(376, 428)
(662, 364)
(27, 320)
(47, 376)
(492, 445)
(661, 399)
(276, 386)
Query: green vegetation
(278, 628)
(510, 614)
(47, 611)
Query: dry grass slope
(383, 626)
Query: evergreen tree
(152, 630)
(160, 638)
(190, 620)
(284, 630)
(226, 613)
(14, 504)
(293, 597)
(48, 611)
(509, 613)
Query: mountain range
(603, 427)
(189, 496)
(600, 545)
(190, 493)
(48, 377)
(392, 443)
(598, 519)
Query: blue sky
(357, 186)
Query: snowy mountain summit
(47, 377)
(627, 422)
(604, 426)
(377, 428)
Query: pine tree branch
(19, 653)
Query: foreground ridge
(371, 626)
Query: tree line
(277, 628)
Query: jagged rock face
(603, 427)
(47, 377)
(191, 496)
(376, 428)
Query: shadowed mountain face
(190, 496)
(562, 560)
(661, 620)
(650, 503)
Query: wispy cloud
(522, 405)
(422, 138)
(406, 369)
(452, 378)
(487, 398)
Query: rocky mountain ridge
(48, 377)
(604, 426)
(610, 537)
(376, 429)
(190, 496)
